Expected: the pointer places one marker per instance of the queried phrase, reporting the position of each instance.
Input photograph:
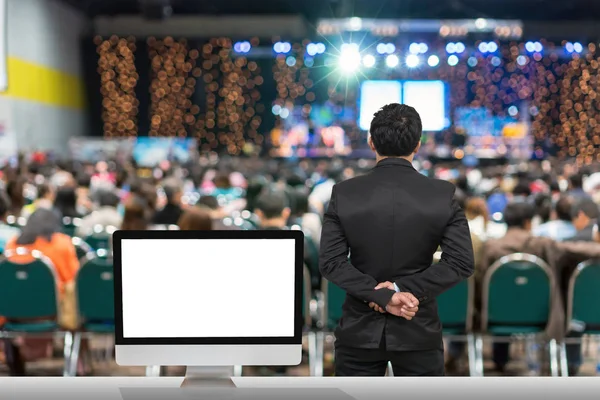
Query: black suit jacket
(386, 226)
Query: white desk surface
(445, 388)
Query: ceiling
(526, 10)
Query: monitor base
(208, 377)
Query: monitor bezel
(297, 236)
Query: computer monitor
(208, 298)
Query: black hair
(522, 189)
(107, 198)
(396, 130)
(43, 190)
(209, 202)
(42, 223)
(66, 202)
(4, 204)
(576, 181)
(271, 203)
(301, 201)
(543, 206)
(563, 208)
(517, 214)
(587, 206)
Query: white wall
(47, 34)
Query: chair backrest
(81, 247)
(517, 291)
(455, 306)
(101, 238)
(306, 297)
(95, 291)
(70, 225)
(583, 301)
(334, 300)
(27, 290)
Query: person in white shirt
(106, 215)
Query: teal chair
(100, 239)
(81, 248)
(517, 296)
(95, 301)
(70, 226)
(28, 299)
(329, 307)
(583, 306)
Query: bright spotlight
(282, 47)
(423, 48)
(492, 47)
(537, 46)
(480, 23)
(452, 60)
(276, 109)
(433, 61)
(459, 48)
(472, 61)
(368, 61)
(320, 48)
(392, 61)
(311, 49)
(381, 48)
(349, 57)
(522, 60)
(390, 48)
(412, 61)
(577, 47)
(483, 47)
(530, 47)
(451, 48)
(414, 48)
(570, 47)
(355, 24)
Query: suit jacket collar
(394, 161)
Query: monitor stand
(208, 377)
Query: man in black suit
(585, 215)
(379, 236)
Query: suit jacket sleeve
(335, 265)
(457, 261)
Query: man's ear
(286, 213)
(371, 145)
(417, 148)
(259, 214)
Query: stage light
(282, 47)
(320, 48)
(355, 24)
(433, 61)
(311, 49)
(522, 60)
(530, 47)
(414, 48)
(472, 62)
(513, 111)
(451, 48)
(284, 113)
(349, 59)
(412, 61)
(577, 47)
(496, 61)
(237, 47)
(290, 61)
(459, 48)
(242, 47)
(570, 47)
(369, 61)
(276, 109)
(483, 47)
(309, 61)
(390, 48)
(423, 48)
(492, 47)
(452, 60)
(480, 23)
(537, 46)
(381, 48)
(392, 61)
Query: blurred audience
(195, 219)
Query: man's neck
(407, 158)
(278, 223)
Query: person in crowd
(195, 219)
(585, 217)
(135, 217)
(43, 233)
(543, 209)
(576, 186)
(309, 222)
(272, 210)
(63, 175)
(560, 227)
(216, 212)
(107, 214)
(477, 214)
(321, 194)
(45, 200)
(6, 232)
(171, 212)
(15, 189)
(65, 202)
(84, 199)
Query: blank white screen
(373, 96)
(429, 99)
(176, 288)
